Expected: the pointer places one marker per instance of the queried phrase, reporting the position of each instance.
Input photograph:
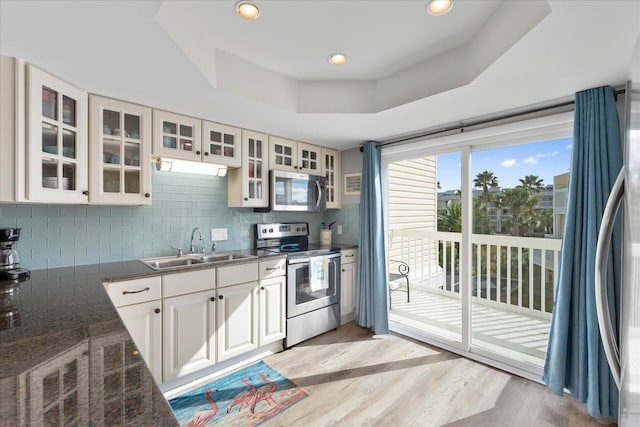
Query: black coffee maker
(9, 263)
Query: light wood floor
(356, 379)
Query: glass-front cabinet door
(283, 154)
(120, 152)
(56, 141)
(221, 144)
(249, 184)
(176, 136)
(332, 172)
(309, 159)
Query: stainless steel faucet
(191, 247)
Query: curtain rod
(461, 125)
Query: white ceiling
(294, 38)
(406, 70)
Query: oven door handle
(307, 259)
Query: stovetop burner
(289, 238)
(290, 247)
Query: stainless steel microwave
(297, 192)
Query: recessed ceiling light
(337, 58)
(439, 7)
(247, 10)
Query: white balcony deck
(517, 336)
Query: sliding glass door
(475, 236)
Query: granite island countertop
(71, 357)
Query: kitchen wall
(58, 236)
(349, 215)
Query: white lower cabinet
(272, 309)
(184, 322)
(348, 283)
(237, 308)
(188, 333)
(139, 305)
(144, 323)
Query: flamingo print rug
(247, 397)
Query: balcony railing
(517, 274)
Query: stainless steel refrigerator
(623, 353)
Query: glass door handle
(602, 257)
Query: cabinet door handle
(206, 153)
(246, 199)
(198, 152)
(157, 310)
(349, 256)
(262, 288)
(135, 292)
(147, 195)
(85, 192)
(221, 296)
(212, 299)
(343, 270)
(271, 268)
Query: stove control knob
(298, 229)
(264, 230)
(304, 229)
(271, 230)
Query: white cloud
(509, 163)
(548, 154)
(530, 161)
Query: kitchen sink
(193, 259)
(223, 257)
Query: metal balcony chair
(398, 278)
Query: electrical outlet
(218, 234)
(339, 230)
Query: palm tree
(532, 182)
(519, 200)
(485, 180)
(451, 220)
(546, 218)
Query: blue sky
(545, 159)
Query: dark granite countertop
(345, 245)
(71, 357)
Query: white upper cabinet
(120, 152)
(9, 96)
(176, 136)
(332, 171)
(56, 151)
(283, 154)
(292, 156)
(248, 186)
(309, 159)
(221, 144)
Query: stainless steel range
(313, 279)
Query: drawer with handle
(273, 268)
(134, 291)
(349, 256)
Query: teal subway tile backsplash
(349, 218)
(56, 236)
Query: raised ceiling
(406, 70)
